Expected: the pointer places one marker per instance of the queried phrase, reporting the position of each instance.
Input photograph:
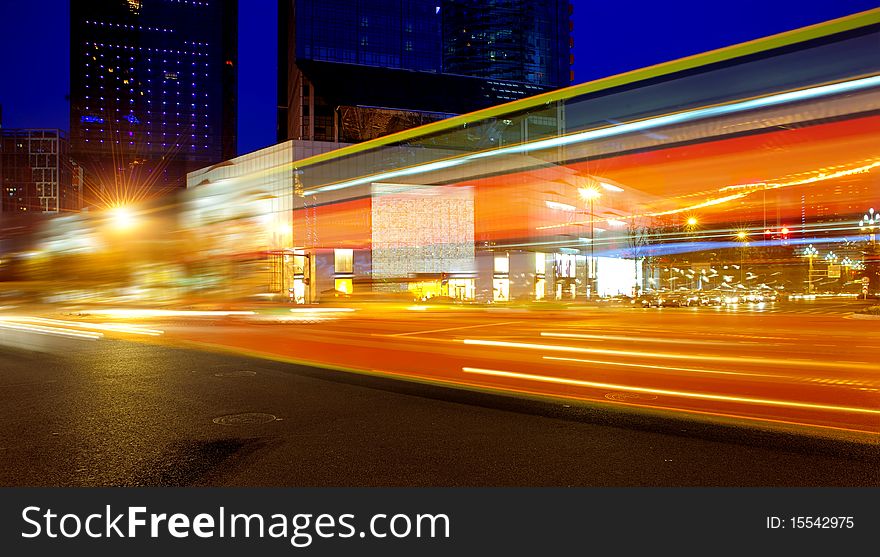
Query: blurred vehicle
(673, 299)
(646, 300)
(332, 295)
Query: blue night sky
(609, 37)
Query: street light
(122, 218)
(810, 253)
(869, 222)
(590, 194)
(743, 238)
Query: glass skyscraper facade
(403, 34)
(153, 91)
(353, 70)
(515, 40)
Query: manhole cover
(629, 397)
(248, 418)
(236, 373)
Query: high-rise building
(36, 173)
(517, 40)
(352, 70)
(153, 91)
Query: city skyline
(672, 30)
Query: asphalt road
(113, 412)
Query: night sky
(610, 37)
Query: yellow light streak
(661, 355)
(667, 368)
(749, 189)
(649, 339)
(665, 392)
(135, 313)
(321, 310)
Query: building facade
(513, 40)
(37, 174)
(724, 179)
(153, 91)
(354, 70)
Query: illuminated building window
(343, 261)
(501, 289)
(461, 289)
(344, 285)
(502, 264)
(539, 263)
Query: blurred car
(711, 299)
(644, 300)
(332, 295)
(673, 300)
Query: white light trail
(664, 355)
(619, 129)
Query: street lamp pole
(743, 237)
(810, 252)
(869, 222)
(592, 252)
(590, 194)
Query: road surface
(114, 412)
(789, 367)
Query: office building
(513, 40)
(354, 70)
(36, 173)
(153, 91)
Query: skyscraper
(518, 40)
(351, 70)
(153, 91)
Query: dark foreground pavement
(125, 414)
